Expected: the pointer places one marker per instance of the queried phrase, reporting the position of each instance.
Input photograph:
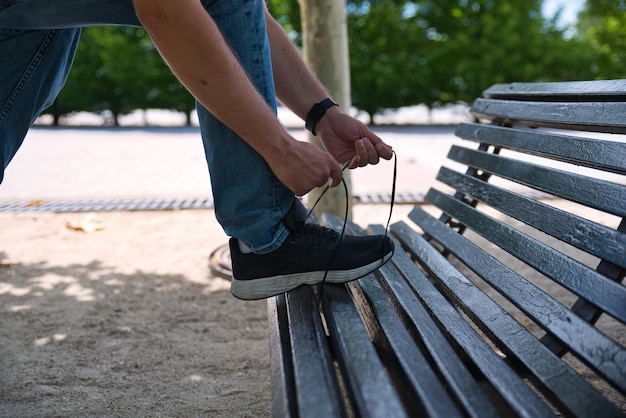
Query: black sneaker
(309, 252)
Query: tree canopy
(439, 52)
(602, 26)
(402, 53)
(117, 69)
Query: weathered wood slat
(578, 91)
(597, 117)
(605, 155)
(365, 377)
(567, 388)
(600, 194)
(281, 362)
(317, 391)
(405, 360)
(600, 352)
(584, 234)
(457, 377)
(423, 391)
(498, 373)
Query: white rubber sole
(266, 287)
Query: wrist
(317, 112)
(278, 148)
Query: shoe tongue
(296, 217)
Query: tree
(325, 41)
(602, 24)
(436, 52)
(287, 13)
(387, 56)
(118, 69)
(401, 53)
(478, 43)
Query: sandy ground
(128, 320)
(125, 321)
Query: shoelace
(345, 220)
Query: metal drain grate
(166, 204)
(106, 205)
(401, 198)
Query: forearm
(192, 45)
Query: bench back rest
(547, 185)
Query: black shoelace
(345, 220)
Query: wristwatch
(317, 111)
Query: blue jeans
(38, 39)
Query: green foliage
(388, 63)
(437, 52)
(117, 69)
(287, 13)
(484, 42)
(402, 53)
(602, 25)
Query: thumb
(336, 175)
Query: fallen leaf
(34, 203)
(90, 223)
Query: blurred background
(425, 54)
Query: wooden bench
(491, 303)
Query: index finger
(384, 151)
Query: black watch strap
(317, 111)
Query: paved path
(168, 163)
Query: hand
(350, 141)
(302, 166)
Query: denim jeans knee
(39, 39)
(31, 79)
(58, 14)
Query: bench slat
(316, 387)
(605, 155)
(498, 373)
(605, 117)
(281, 363)
(570, 390)
(415, 317)
(596, 349)
(599, 194)
(362, 369)
(412, 365)
(584, 234)
(596, 90)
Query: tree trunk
(325, 44)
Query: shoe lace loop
(345, 218)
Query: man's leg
(59, 14)
(250, 201)
(255, 207)
(38, 66)
(38, 39)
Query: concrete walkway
(114, 164)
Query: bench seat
(505, 295)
